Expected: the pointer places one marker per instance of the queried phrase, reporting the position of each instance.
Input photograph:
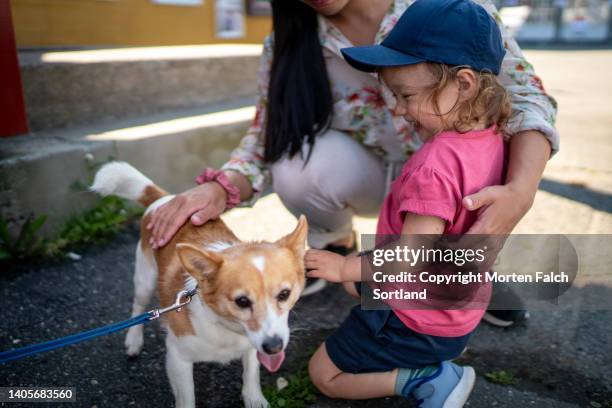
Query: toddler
(440, 61)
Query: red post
(13, 119)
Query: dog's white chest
(213, 341)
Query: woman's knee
(291, 181)
(296, 175)
(338, 170)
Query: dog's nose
(272, 345)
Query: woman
(329, 144)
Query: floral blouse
(360, 101)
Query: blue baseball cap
(453, 32)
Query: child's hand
(324, 264)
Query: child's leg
(334, 383)
(446, 385)
(373, 354)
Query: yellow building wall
(61, 23)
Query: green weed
(299, 393)
(104, 220)
(109, 216)
(25, 244)
(501, 377)
(97, 225)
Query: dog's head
(254, 284)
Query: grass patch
(26, 243)
(501, 377)
(97, 225)
(109, 216)
(299, 392)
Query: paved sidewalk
(561, 359)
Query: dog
(245, 290)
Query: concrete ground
(562, 358)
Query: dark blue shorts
(377, 341)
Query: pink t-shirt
(433, 182)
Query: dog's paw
(255, 400)
(133, 341)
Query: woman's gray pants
(342, 178)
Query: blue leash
(19, 353)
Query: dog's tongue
(271, 362)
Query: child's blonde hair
(490, 104)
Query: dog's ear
(200, 264)
(296, 241)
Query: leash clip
(177, 305)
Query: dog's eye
(243, 302)
(283, 295)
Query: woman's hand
(500, 208)
(202, 203)
(325, 264)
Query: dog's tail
(123, 180)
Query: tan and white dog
(245, 290)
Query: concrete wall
(53, 23)
(39, 179)
(169, 111)
(86, 87)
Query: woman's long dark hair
(300, 101)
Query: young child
(440, 61)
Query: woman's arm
(532, 107)
(248, 158)
(245, 169)
(533, 139)
(502, 207)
